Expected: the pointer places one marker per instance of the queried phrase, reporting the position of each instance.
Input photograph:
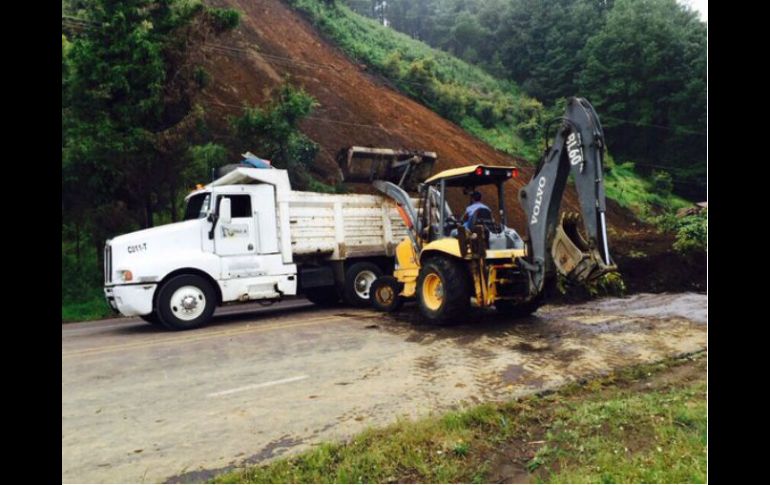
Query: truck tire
(358, 282)
(385, 295)
(443, 290)
(186, 302)
(323, 296)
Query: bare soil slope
(274, 43)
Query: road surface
(140, 404)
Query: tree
(272, 131)
(540, 43)
(646, 74)
(129, 82)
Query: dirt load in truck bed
(275, 43)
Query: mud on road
(141, 405)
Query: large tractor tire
(443, 290)
(358, 283)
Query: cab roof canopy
(474, 175)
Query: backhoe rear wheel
(443, 290)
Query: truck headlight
(125, 275)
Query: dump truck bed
(340, 226)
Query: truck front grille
(107, 264)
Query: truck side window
(241, 205)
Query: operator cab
(438, 224)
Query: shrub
(224, 19)
(662, 182)
(692, 234)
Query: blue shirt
(471, 209)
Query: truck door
(250, 240)
(236, 241)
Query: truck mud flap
(573, 256)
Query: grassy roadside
(645, 424)
(92, 307)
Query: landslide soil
(275, 44)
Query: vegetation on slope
(642, 63)
(492, 109)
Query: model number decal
(574, 149)
(137, 247)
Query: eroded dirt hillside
(274, 43)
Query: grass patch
(643, 424)
(81, 284)
(94, 308)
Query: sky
(701, 6)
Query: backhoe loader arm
(405, 208)
(578, 147)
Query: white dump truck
(248, 236)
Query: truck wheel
(443, 290)
(385, 294)
(323, 296)
(152, 318)
(358, 282)
(186, 302)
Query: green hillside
(492, 109)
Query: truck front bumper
(131, 300)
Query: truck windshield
(197, 206)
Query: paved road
(144, 405)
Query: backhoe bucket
(573, 256)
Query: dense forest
(642, 63)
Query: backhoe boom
(578, 148)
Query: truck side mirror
(225, 210)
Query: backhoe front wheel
(443, 290)
(385, 294)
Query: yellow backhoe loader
(450, 265)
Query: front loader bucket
(573, 256)
(405, 168)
